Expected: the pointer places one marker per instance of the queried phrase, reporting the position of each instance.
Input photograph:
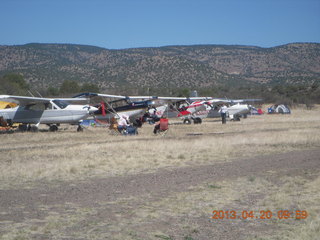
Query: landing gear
(33, 128)
(79, 129)
(53, 128)
(196, 120)
(236, 118)
(187, 121)
(23, 127)
(28, 127)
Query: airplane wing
(88, 95)
(190, 99)
(23, 100)
(169, 98)
(218, 101)
(245, 100)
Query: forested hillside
(212, 69)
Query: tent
(281, 108)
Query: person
(160, 124)
(123, 123)
(151, 117)
(146, 116)
(223, 111)
(156, 126)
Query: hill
(44, 65)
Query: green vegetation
(69, 87)
(13, 84)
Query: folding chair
(164, 126)
(114, 127)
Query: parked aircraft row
(32, 111)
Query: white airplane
(198, 110)
(235, 112)
(50, 111)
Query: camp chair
(164, 126)
(114, 127)
(3, 123)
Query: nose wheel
(79, 129)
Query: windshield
(61, 104)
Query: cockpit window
(61, 104)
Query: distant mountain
(46, 65)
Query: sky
(119, 24)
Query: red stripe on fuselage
(183, 113)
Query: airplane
(50, 111)
(235, 112)
(198, 110)
(122, 106)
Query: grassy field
(29, 160)
(68, 155)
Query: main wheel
(53, 128)
(34, 129)
(197, 120)
(23, 127)
(237, 118)
(187, 121)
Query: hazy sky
(117, 24)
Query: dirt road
(128, 207)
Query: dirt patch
(134, 206)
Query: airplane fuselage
(130, 113)
(233, 111)
(70, 114)
(132, 110)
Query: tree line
(14, 84)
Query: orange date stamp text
(262, 214)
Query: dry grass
(27, 158)
(68, 155)
(198, 202)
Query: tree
(69, 86)
(52, 91)
(13, 84)
(89, 87)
